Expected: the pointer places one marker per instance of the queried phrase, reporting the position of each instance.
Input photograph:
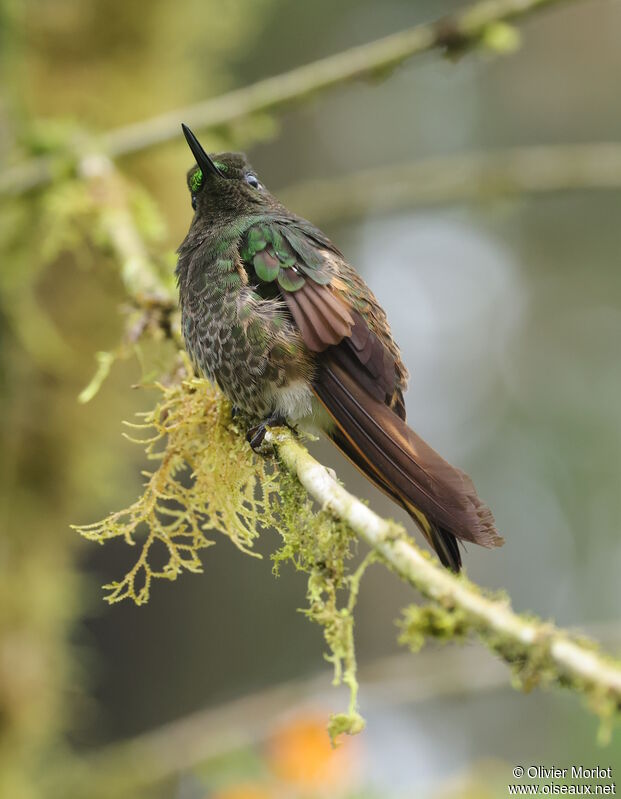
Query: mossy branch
(113, 199)
(536, 650)
(205, 478)
(482, 24)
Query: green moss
(321, 546)
(420, 622)
(502, 38)
(531, 664)
(345, 724)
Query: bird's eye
(194, 202)
(252, 180)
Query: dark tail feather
(439, 497)
(446, 547)
(444, 543)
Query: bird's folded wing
(358, 382)
(302, 264)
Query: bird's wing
(359, 380)
(327, 311)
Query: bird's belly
(248, 377)
(247, 388)
(257, 363)
(293, 401)
(261, 396)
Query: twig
(457, 178)
(110, 195)
(559, 658)
(454, 33)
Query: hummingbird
(277, 317)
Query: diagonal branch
(455, 34)
(536, 648)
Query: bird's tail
(440, 498)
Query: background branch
(139, 274)
(514, 171)
(179, 746)
(454, 34)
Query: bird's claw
(256, 435)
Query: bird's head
(224, 185)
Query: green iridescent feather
(196, 180)
(283, 254)
(266, 265)
(290, 280)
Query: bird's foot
(256, 434)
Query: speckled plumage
(275, 315)
(245, 343)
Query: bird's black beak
(202, 159)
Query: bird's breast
(249, 347)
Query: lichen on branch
(206, 479)
(537, 651)
(320, 545)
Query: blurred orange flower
(300, 752)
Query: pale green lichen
(104, 364)
(501, 38)
(531, 664)
(208, 479)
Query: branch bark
(455, 33)
(552, 652)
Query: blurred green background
(508, 312)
